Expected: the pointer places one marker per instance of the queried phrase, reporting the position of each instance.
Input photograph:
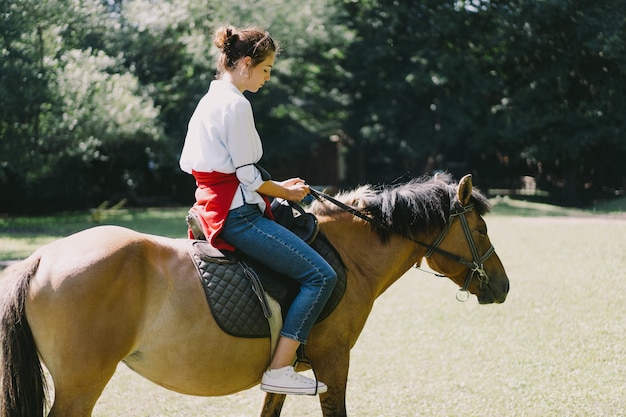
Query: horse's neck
(375, 265)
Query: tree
(496, 87)
(23, 78)
(422, 84)
(565, 77)
(95, 96)
(67, 110)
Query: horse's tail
(22, 383)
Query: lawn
(556, 347)
(20, 236)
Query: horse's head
(420, 209)
(463, 251)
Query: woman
(220, 150)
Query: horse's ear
(464, 192)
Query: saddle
(235, 286)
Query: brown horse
(86, 302)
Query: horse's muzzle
(494, 292)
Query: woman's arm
(294, 189)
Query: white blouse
(222, 137)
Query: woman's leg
(271, 244)
(284, 353)
(278, 248)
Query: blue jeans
(278, 248)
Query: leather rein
(475, 266)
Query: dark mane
(412, 208)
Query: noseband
(475, 265)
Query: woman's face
(260, 74)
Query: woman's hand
(296, 189)
(293, 189)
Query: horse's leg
(80, 371)
(76, 396)
(334, 400)
(332, 368)
(273, 405)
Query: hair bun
(225, 37)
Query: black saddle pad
(234, 304)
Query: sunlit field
(20, 236)
(556, 347)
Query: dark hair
(235, 44)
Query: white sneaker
(287, 381)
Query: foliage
(86, 130)
(503, 88)
(95, 95)
(565, 81)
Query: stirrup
(301, 357)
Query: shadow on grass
(506, 206)
(20, 236)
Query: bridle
(475, 265)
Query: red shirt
(214, 195)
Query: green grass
(507, 206)
(20, 236)
(555, 348)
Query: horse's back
(110, 294)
